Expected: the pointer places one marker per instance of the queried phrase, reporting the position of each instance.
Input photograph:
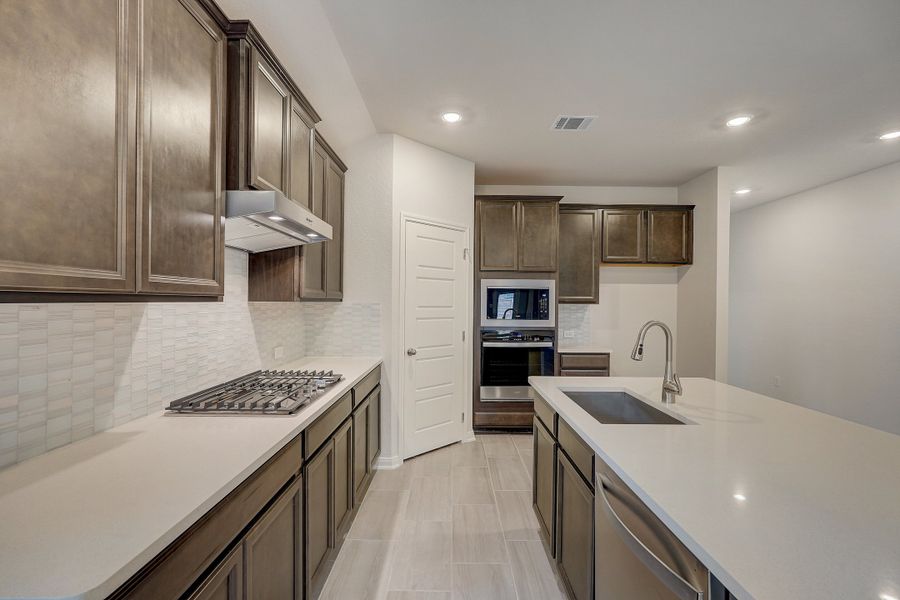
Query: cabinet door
(574, 530)
(226, 582)
(669, 236)
(361, 468)
(68, 152)
(498, 235)
(300, 152)
(273, 549)
(538, 236)
(319, 514)
(579, 256)
(343, 478)
(312, 281)
(181, 136)
(624, 236)
(374, 428)
(270, 107)
(334, 250)
(544, 482)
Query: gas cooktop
(259, 393)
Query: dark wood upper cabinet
(498, 235)
(624, 236)
(334, 216)
(301, 137)
(538, 236)
(312, 284)
(68, 193)
(270, 114)
(579, 255)
(517, 233)
(182, 141)
(661, 235)
(270, 121)
(115, 181)
(670, 236)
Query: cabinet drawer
(583, 361)
(546, 414)
(368, 383)
(321, 430)
(578, 452)
(585, 373)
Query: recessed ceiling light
(314, 235)
(742, 191)
(276, 218)
(887, 597)
(890, 135)
(739, 120)
(740, 497)
(451, 117)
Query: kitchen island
(778, 501)
(79, 521)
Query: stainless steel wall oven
(509, 357)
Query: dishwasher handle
(680, 587)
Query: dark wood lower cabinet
(374, 442)
(574, 530)
(343, 478)
(544, 482)
(273, 564)
(226, 582)
(319, 474)
(361, 465)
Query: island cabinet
(579, 255)
(518, 233)
(652, 235)
(115, 181)
(314, 271)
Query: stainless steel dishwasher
(636, 556)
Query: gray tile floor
(453, 524)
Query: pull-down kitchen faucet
(671, 385)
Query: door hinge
(465, 254)
(462, 417)
(464, 335)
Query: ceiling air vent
(566, 123)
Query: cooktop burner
(259, 393)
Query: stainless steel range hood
(257, 221)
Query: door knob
(411, 352)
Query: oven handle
(516, 344)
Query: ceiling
(821, 76)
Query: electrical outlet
(278, 352)
(569, 333)
(776, 381)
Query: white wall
(433, 184)
(629, 296)
(702, 340)
(815, 298)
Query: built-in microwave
(518, 303)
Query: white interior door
(435, 316)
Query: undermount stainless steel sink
(618, 408)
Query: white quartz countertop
(78, 521)
(584, 350)
(820, 516)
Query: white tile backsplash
(70, 370)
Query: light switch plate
(569, 333)
(278, 352)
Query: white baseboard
(388, 462)
(468, 436)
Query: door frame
(399, 346)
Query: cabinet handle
(681, 588)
